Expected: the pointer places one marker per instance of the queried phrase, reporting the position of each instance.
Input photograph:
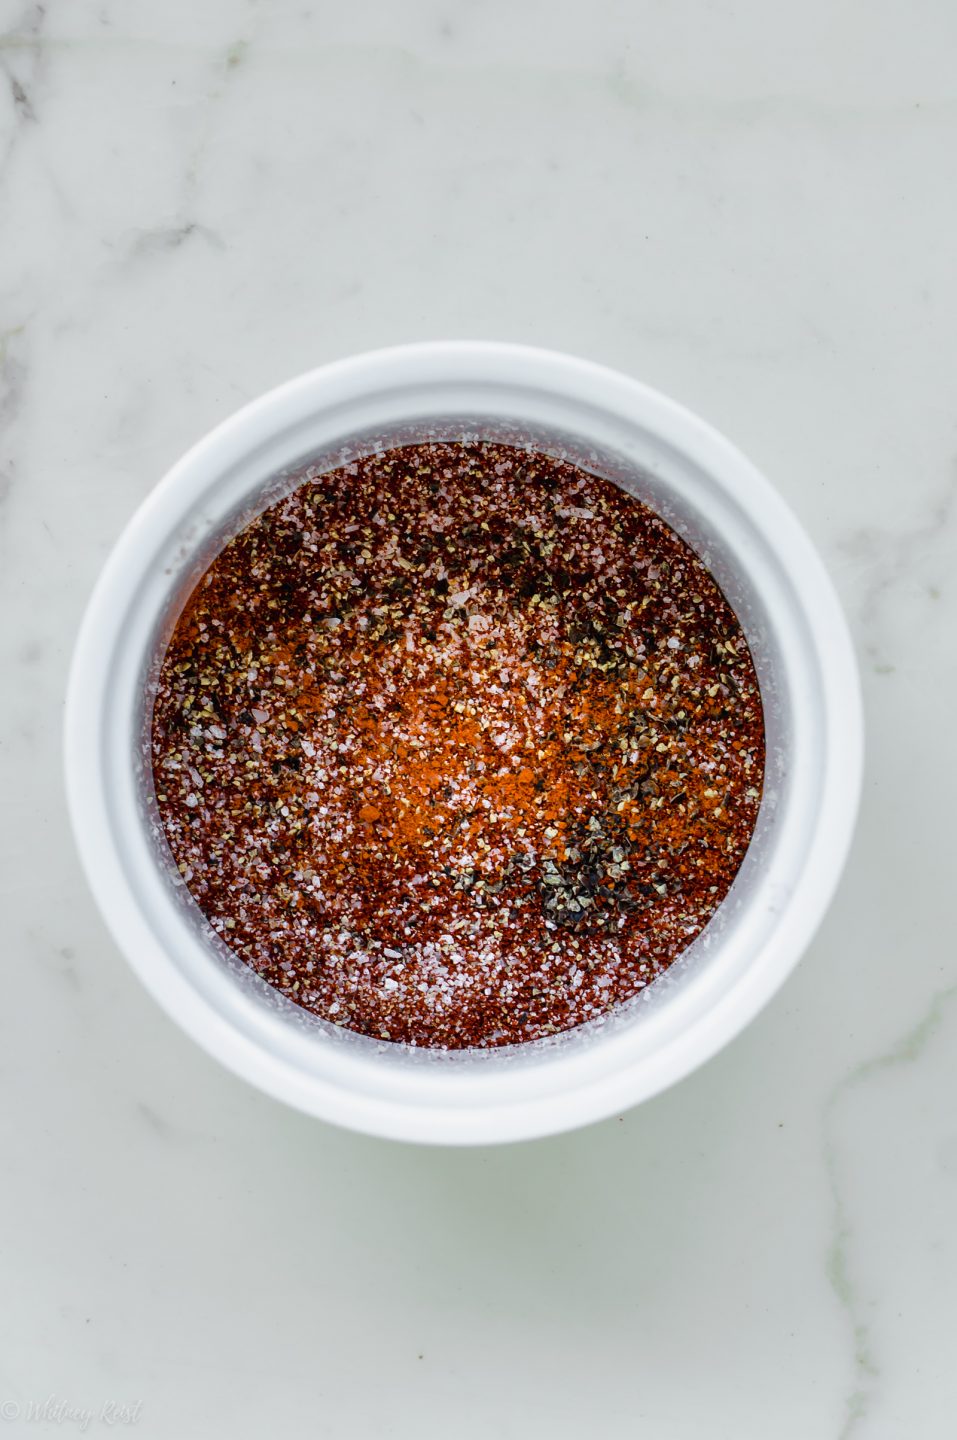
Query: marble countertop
(748, 206)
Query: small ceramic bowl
(756, 550)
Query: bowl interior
(729, 517)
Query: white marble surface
(748, 205)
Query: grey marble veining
(747, 207)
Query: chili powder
(458, 745)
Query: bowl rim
(544, 1114)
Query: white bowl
(771, 574)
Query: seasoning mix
(458, 745)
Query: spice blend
(458, 745)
